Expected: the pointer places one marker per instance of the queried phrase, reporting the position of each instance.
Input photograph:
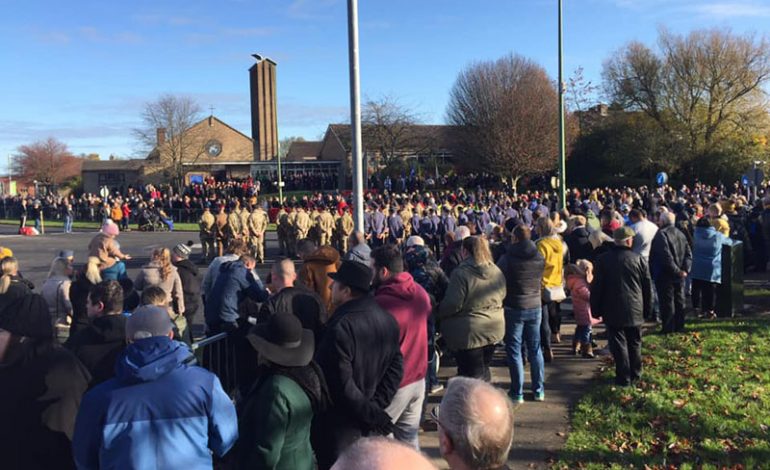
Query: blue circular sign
(745, 181)
(661, 178)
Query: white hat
(415, 240)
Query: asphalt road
(36, 253)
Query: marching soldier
(221, 230)
(257, 226)
(207, 225)
(301, 225)
(326, 226)
(345, 227)
(234, 228)
(283, 230)
(245, 232)
(293, 215)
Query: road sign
(757, 176)
(745, 181)
(105, 192)
(661, 178)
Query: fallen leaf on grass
(679, 403)
(626, 399)
(560, 434)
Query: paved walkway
(540, 428)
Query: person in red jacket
(126, 216)
(398, 293)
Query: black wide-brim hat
(283, 341)
(353, 274)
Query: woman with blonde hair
(12, 286)
(471, 313)
(56, 292)
(160, 272)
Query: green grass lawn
(704, 402)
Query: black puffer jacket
(621, 291)
(98, 346)
(191, 287)
(578, 244)
(523, 267)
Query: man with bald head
(475, 425)
(294, 299)
(381, 453)
(359, 250)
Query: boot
(556, 338)
(587, 351)
(575, 347)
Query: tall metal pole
(355, 116)
(562, 149)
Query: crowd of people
(338, 351)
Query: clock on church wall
(213, 148)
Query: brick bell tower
(264, 117)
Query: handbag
(554, 294)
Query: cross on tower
(212, 110)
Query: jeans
(37, 225)
(67, 224)
(626, 348)
(115, 272)
(431, 378)
(124, 223)
(475, 362)
(671, 297)
(523, 325)
(405, 411)
(583, 334)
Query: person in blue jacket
(159, 411)
(235, 282)
(706, 270)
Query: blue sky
(81, 71)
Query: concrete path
(540, 428)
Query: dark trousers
(475, 362)
(554, 317)
(671, 300)
(703, 294)
(545, 325)
(330, 434)
(626, 348)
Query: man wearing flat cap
(621, 293)
(360, 356)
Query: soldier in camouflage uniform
(221, 230)
(283, 230)
(234, 229)
(325, 226)
(346, 226)
(207, 226)
(257, 227)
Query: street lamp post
(562, 149)
(355, 116)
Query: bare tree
(165, 126)
(388, 128)
(285, 143)
(508, 114)
(47, 161)
(704, 89)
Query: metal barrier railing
(217, 354)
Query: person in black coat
(290, 298)
(577, 240)
(81, 286)
(670, 261)
(621, 294)
(42, 385)
(191, 282)
(12, 285)
(361, 360)
(99, 344)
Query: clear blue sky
(81, 70)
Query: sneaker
(540, 396)
(517, 399)
(436, 388)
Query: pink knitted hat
(110, 228)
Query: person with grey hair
(381, 453)
(670, 263)
(475, 425)
(132, 421)
(359, 251)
